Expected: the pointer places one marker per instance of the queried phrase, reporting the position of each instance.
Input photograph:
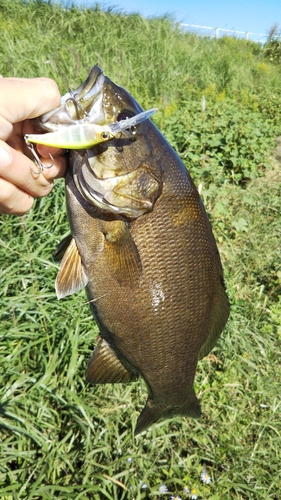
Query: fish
(142, 246)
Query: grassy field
(62, 438)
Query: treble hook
(74, 99)
(37, 160)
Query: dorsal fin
(71, 276)
(105, 368)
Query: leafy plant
(272, 47)
(226, 141)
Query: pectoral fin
(71, 276)
(61, 248)
(105, 368)
(122, 253)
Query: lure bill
(87, 134)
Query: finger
(57, 170)
(22, 98)
(16, 169)
(45, 151)
(59, 155)
(13, 200)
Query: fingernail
(5, 157)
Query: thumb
(22, 98)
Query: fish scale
(143, 247)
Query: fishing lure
(86, 134)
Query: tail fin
(152, 412)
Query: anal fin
(104, 366)
(220, 317)
(71, 276)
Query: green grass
(62, 438)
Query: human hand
(20, 100)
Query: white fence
(217, 32)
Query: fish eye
(104, 135)
(123, 115)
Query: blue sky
(256, 16)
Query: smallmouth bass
(142, 245)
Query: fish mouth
(96, 100)
(84, 103)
